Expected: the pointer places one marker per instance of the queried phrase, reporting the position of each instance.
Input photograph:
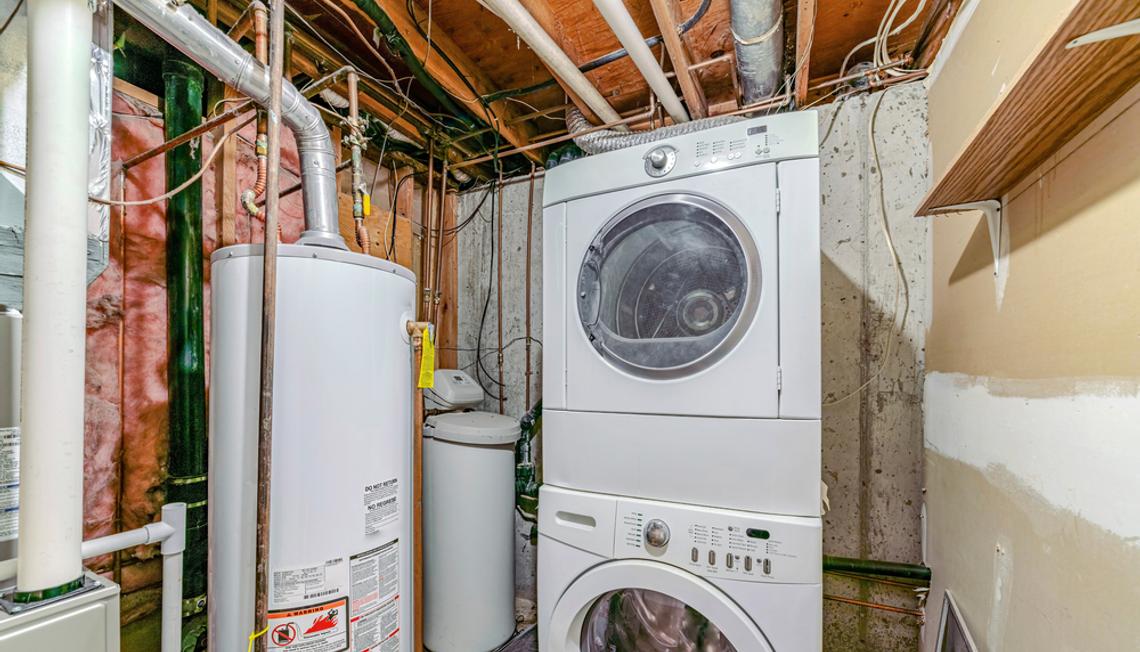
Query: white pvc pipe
(55, 295)
(528, 29)
(626, 30)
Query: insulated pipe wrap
(758, 37)
(185, 29)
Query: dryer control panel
(778, 137)
(720, 543)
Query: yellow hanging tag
(367, 204)
(427, 363)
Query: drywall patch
(1072, 449)
(1027, 574)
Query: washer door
(668, 286)
(644, 606)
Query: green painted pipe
(874, 567)
(186, 369)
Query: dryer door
(644, 606)
(668, 286)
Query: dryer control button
(660, 161)
(656, 533)
(767, 566)
(748, 563)
(712, 558)
(728, 560)
(696, 555)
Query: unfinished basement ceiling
(473, 54)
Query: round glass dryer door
(641, 620)
(669, 286)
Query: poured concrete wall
(872, 441)
(1033, 401)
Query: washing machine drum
(668, 286)
(648, 621)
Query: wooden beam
(805, 26)
(447, 313)
(453, 82)
(665, 11)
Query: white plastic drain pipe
(528, 29)
(619, 20)
(55, 296)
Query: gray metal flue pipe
(184, 28)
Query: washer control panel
(721, 543)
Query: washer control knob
(656, 533)
(660, 161)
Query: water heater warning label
(376, 599)
(9, 482)
(317, 628)
(299, 587)
(381, 505)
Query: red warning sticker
(316, 628)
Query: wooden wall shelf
(1052, 100)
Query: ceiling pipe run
(758, 35)
(528, 29)
(633, 41)
(185, 29)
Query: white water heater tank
(340, 510)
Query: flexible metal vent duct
(185, 29)
(758, 35)
(608, 140)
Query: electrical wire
(901, 286)
(11, 17)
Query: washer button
(748, 563)
(728, 560)
(767, 566)
(696, 555)
(712, 558)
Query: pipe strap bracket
(757, 40)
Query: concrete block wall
(872, 441)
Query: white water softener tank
(469, 520)
(340, 545)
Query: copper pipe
(117, 560)
(873, 579)
(425, 231)
(162, 148)
(438, 264)
(859, 75)
(724, 58)
(269, 321)
(356, 138)
(499, 283)
(416, 331)
(917, 613)
(249, 196)
(529, 228)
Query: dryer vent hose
(608, 140)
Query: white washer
(618, 573)
(681, 317)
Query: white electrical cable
(883, 35)
(901, 286)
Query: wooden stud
(805, 26)
(666, 13)
(447, 313)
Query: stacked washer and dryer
(681, 389)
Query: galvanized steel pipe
(184, 28)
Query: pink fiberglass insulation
(126, 438)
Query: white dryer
(622, 574)
(681, 318)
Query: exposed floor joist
(453, 81)
(805, 30)
(665, 11)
